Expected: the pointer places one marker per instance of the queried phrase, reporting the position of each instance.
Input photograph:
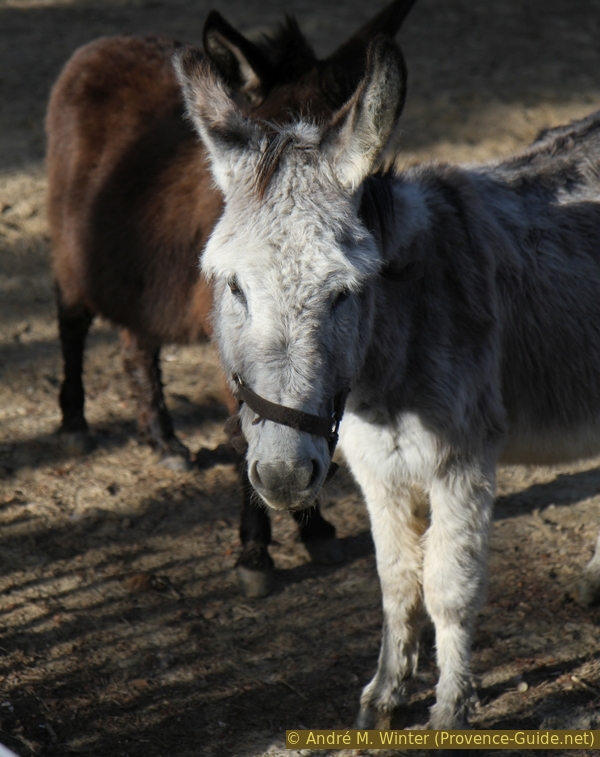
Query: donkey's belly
(551, 446)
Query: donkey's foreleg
(318, 536)
(73, 324)
(590, 583)
(397, 524)
(142, 364)
(454, 579)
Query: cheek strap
(296, 419)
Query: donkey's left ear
(225, 132)
(241, 64)
(359, 132)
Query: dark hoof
(174, 455)
(255, 584)
(589, 593)
(256, 571)
(76, 442)
(366, 719)
(325, 551)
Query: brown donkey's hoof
(325, 551)
(255, 584)
(174, 455)
(589, 592)
(255, 570)
(175, 462)
(76, 442)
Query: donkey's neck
(425, 329)
(395, 212)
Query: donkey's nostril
(254, 476)
(316, 473)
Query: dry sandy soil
(122, 630)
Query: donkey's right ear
(225, 132)
(359, 132)
(241, 64)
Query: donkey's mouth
(287, 486)
(297, 507)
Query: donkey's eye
(236, 289)
(340, 298)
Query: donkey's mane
(269, 161)
(279, 143)
(288, 51)
(376, 210)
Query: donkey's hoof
(173, 454)
(368, 719)
(76, 442)
(589, 591)
(255, 584)
(255, 570)
(175, 462)
(325, 551)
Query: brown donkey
(131, 203)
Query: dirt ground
(122, 630)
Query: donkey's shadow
(565, 489)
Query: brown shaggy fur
(131, 201)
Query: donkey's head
(292, 265)
(280, 77)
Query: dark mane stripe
(376, 210)
(269, 161)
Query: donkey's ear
(242, 65)
(343, 70)
(225, 132)
(359, 131)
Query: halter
(327, 427)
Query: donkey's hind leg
(397, 524)
(142, 363)
(73, 325)
(318, 536)
(589, 591)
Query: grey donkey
(460, 307)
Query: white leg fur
(454, 578)
(380, 458)
(397, 526)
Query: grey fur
(494, 353)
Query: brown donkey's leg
(254, 566)
(73, 325)
(142, 363)
(318, 536)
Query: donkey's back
(120, 170)
(546, 202)
(564, 161)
